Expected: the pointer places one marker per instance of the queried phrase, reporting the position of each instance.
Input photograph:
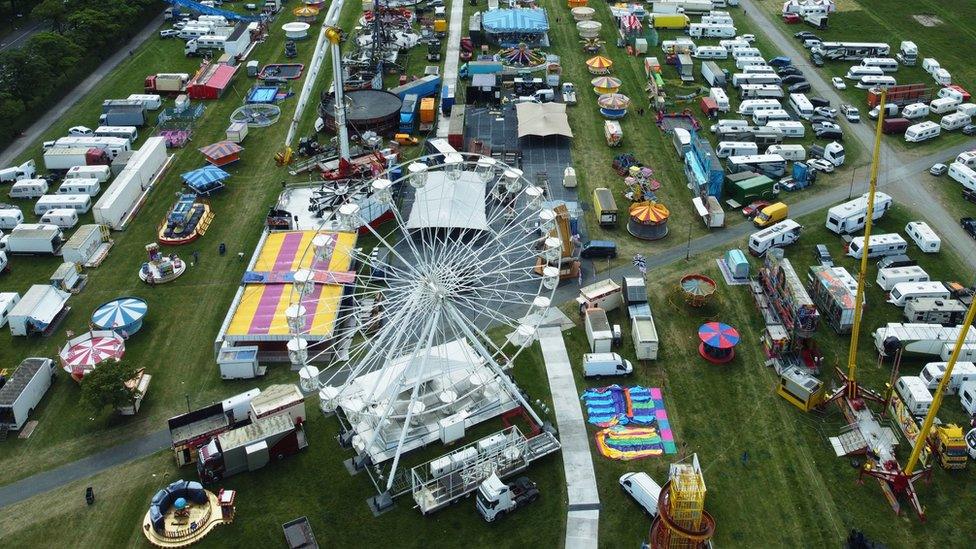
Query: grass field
(948, 38)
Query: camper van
(848, 217)
(28, 188)
(778, 236)
(944, 105)
(963, 174)
(789, 128)
(760, 91)
(742, 62)
(751, 106)
(10, 218)
(793, 153)
(924, 237)
(64, 218)
(871, 81)
(721, 99)
(915, 110)
(598, 365)
(889, 277)
(954, 121)
(887, 64)
(915, 394)
(880, 245)
(726, 149)
(922, 131)
(801, 105)
(962, 373)
(857, 72)
(101, 173)
(91, 187)
(902, 292)
(763, 117)
(711, 52)
(80, 203)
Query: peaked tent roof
(542, 119)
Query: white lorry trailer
(24, 391)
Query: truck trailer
(24, 391)
(169, 83)
(249, 447)
(35, 238)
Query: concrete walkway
(583, 519)
(451, 59)
(85, 467)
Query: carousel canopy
(698, 285)
(718, 335)
(91, 348)
(599, 62)
(605, 82)
(123, 313)
(613, 101)
(542, 119)
(305, 11)
(649, 212)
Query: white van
(80, 203)
(721, 99)
(858, 71)
(890, 276)
(962, 373)
(801, 105)
(643, 489)
(963, 174)
(789, 128)
(868, 82)
(924, 237)
(915, 394)
(28, 188)
(782, 234)
(711, 52)
(751, 106)
(91, 187)
(10, 218)
(765, 116)
(795, 153)
(606, 364)
(726, 149)
(887, 64)
(954, 121)
(64, 218)
(880, 245)
(101, 173)
(967, 396)
(742, 62)
(944, 105)
(903, 292)
(923, 131)
(915, 110)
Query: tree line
(82, 33)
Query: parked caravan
(26, 170)
(967, 396)
(721, 99)
(887, 278)
(742, 62)
(80, 203)
(100, 173)
(915, 110)
(778, 236)
(763, 117)
(597, 365)
(760, 91)
(697, 30)
(850, 51)
(129, 133)
(930, 310)
(735, 43)
(954, 121)
(924, 237)
(880, 245)
(8, 300)
(868, 82)
(645, 338)
(10, 218)
(150, 101)
(857, 72)
(967, 158)
(962, 373)
(887, 64)
(751, 106)
(711, 52)
(848, 217)
(793, 153)
(64, 218)
(915, 394)
(922, 131)
(789, 128)
(801, 105)
(728, 125)
(643, 489)
(963, 174)
(902, 292)
(759, 69)
(28, 188)
(91, 187)
(944, 105)
(742, 78)
(745, 51)
(726, 149)
(770, 165)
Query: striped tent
(599, 65)
(205, 180)
(222, 153)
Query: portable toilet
(737, 264)
(569, 177)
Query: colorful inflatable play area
(634, 420)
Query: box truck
(170, 83)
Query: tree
(105, 386)
(53, 11)
(60, 53)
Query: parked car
(838, 83)
(747, 37)
(599, 248)
(788, 70)
(793, 79)
(830, 135)
(892, 261)
(890, 110)
(168, 33)
(799, 87)
(818, 101)
(753, 209)
(851, 113)
(811, 42)
(938, 169)
(818, 120)
(828, 112)
(80, 130)
(803, 35)
(969, 129)
(969, 224)
(821, 165)
(823, 125)
(822, 256)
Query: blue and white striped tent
(522, 20)
(123, 315)
(205, 180)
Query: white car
(747, 37)
(80, 130)
(838, 83)
(820, 165)
(828, 112)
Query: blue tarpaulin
(515, 20)
(207, 10)
(205, 180)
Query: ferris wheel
(442, 297)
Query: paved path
(451, 59)
(16, 38)
(582, 521)
(34, 132)
(85, 467)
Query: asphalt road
(57, 111)
(17, 37)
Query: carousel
(583, 13)
(123, 315)
(81, 354)
(183, 513)
(613, 106)
(648, 220)
(589, 29)
(521, 56)
(718, 341)
(599, 65)
(305, 14)
(605, 84)
(160, 269)
(186, 221)
(698, 289)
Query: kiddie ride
(495, 498)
